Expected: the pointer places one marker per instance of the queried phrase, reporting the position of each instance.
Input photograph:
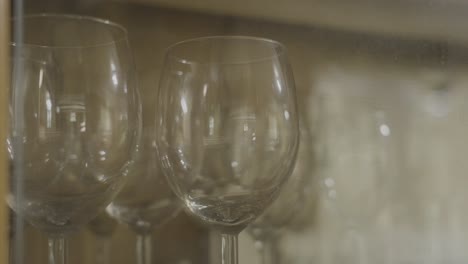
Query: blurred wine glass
(103, 227)
(146, 202)
(227, 129)
(281, 214)
(75, 122)
(353, 149)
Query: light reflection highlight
(183, 104)
(384, 130)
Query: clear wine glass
(266, 230)
(75, 121)
(146, 201)
(227, 130)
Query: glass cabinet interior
(381, 90)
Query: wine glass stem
(229, 248)
(143, 248)
(269, 252)
(103, 251)
(57, 250)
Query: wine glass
(297, 192)
(103, 227)
(354, 149)
(75, 121)
(146, 201)
(227, 129)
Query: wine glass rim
(122, 29)
(281, 46)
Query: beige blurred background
(381, 88)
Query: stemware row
(225, 133)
